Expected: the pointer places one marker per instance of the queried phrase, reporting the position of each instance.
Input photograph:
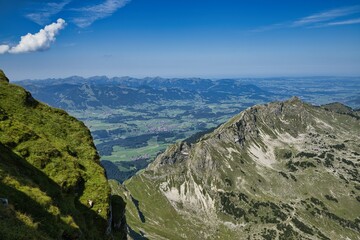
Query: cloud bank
(36, 42)
(88, 15)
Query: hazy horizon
(188, 77)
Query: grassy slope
(161, 221)
(49, 169)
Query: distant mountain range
(92, 91)
(76, 93)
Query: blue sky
(179, 38)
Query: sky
(179, 38)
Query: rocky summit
(283, 170)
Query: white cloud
(88, 15)
(346, 22)
(4, 49)
(46, 11)
(327, 16)
(318, 20)
(36, 42)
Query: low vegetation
(49, 172)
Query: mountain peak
(278, 169)
(295, 99)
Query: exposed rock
(265, 174)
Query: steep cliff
(52, 185)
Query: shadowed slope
(49, 169)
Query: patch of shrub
(331, 198)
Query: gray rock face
(284, 170)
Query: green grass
(49, 168)
(160, 217)
(125, 154)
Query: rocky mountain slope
(51, 183)
(284, 170)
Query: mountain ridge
(83, 93)
(244, 179)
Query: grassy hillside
(49, 170)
